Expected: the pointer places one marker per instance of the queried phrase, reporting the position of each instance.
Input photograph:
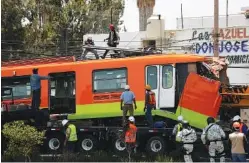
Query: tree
(145, 11)
(12, 31)
(56, 24)
(22, 139)
(81, 17)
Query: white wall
(208, 22)
(238, 75)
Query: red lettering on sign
(227, 35)
(245, 36)
(240, 33)
(234, 33)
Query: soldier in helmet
(212, 137)
(187, 136)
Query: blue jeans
(238, 157)
(148, 115)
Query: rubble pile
(218, 66)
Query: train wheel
(155, 145)
(119, 145)
(88, 143)
(54, 143)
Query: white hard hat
(127, 87)
(180, 118)
(236, 118)
(64, 122)
(131, 118)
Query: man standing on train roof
(150, 103)
(35, 83)
(89, 42)
(127, 98)
(113, 40)
(243, 127)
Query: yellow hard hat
(148, 87)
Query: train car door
(62, 93)
(152, 72)
(162, 81)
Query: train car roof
(177, 58)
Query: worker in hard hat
(187, 136)
(150, 103)
(243, 127)
(130, 131)
(238, 140)
(71, 136)
(127, 99)
(212, 137)
(178, 126)
(89, 42)
(113, 40)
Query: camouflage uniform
(187, 137)
(213, 137)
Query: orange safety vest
(152, 99)
(130, 135)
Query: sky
(171, 9)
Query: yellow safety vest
(179, 126)
(73, 133)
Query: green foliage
(52, 25)
(163, 158)
(22, 139)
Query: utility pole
(227, 14)
(216, 28)
(182, 16)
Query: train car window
(152, 76)
(20, 86)
(167, 76)
(62, 92)
(111, 80)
